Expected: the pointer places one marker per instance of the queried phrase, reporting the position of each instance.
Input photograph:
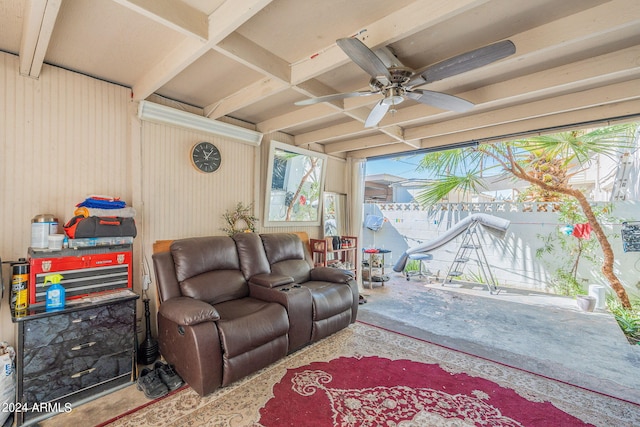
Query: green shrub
(628, 320)
(564, 282)
(412, 265)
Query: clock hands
(206, 156)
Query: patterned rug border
(141, 407)
(363, 339)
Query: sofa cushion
(287, 256)
(253, 259)
(198, 255)
(296, 268)
(248, 323)
(216, 286)
(282, 246)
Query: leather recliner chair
(206, 312)
(334, 293)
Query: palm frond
(439, 188)
(581, 146)
(455, 161)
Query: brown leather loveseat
(231, 306)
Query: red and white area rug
(366, 376)
(374, 391)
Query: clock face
(205, 157)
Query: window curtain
(355, 200)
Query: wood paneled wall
(66, 136)
(62, 137)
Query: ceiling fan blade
(333, 97)
(464, 62)
(377, 114)
(440, 100)
(364, 57)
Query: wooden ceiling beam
(39, 21)
(253, 56)
(314, 88)
(297, 117)
(361, 114)
(244, 51)
(176, 15)
(497, 132)
(359, 143)
(246, 96)
(168, 67)
(613, 93)
(222, 22)
(332, 133)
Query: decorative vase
(586, 302)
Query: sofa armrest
(188, 311)
(270, 280)
(330, 274)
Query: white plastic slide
(492, 223)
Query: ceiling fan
(395, 82)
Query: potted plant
(239, 220)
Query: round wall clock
(206, 157)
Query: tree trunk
(574, 269)
(607, 251)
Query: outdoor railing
(478, 207)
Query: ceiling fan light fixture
(393, 100)
(394, 96)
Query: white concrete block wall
(512, 258)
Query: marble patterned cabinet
(73, 355)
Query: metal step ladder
(621, 183)
(471, 248)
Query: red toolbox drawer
(85, 270)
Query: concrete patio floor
(536, 332)
(540, 333)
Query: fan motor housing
(399, 76)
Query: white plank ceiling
(575, 61)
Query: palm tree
(546, 162)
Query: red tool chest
(85, 271)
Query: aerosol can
(19, 286)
